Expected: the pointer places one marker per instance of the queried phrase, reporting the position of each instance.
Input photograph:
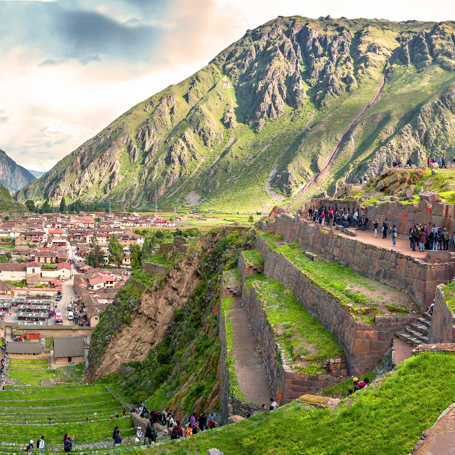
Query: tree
(95, 258)
(251, 219)
(136, 257)
(149, 247)
(30, 205)
(46, 207)
(116, 250)
(63, 205)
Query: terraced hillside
(67, 407)
(269, 113)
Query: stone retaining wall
(286, 383)
(363, 344)
(225, 384)
(396, 269)
(443, 320)
(155, 269)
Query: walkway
(252, 376)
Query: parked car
(58, 318)
(70, 316)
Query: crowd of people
(441, 160)
(431, 238)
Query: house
(93, 313)
(23, 350)
(65, 269)
(69, 349)
(30, 272)
(96, 282)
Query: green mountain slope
(8, 203)
(260, 120)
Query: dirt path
(252, 376)
(321, 174)
(401, 351)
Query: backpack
(175, 433)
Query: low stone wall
(225, 383)
(363, 344)
(396, 269)
(155, 269)
(248, 270)
(286, 383)
(443, 320)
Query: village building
(68, 349)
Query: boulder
(438, 257)
(320, 402)
(235, 419)
(430, 197)
(215, 452)
(350, 232)
(434, 166)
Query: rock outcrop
(12, 176)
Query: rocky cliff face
(13, 176)
(262, 118)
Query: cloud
(48, 62)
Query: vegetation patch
(341, 389)
(252, 258)
(449, 296)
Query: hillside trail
(251, 374)
(320, 176)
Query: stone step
(409, 338)
(423, 329)
(427, 316)
(415, 334)
(425, 321)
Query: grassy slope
(8, 203)
(379, 420)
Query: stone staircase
(417, 332)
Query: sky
(70, 67)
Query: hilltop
(13, 176)
(8, 203)
(294, 108)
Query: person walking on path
(203, 422)
(118, 438)
(41, 444)
(443, 162)
(177, 431)
(68, 443)
(94, 416)
(394, 233)
(375, 228)
(385, 226)
(422, 240)
(29, 448)
(428, 161)
(150, 433)
(124, 412)
(445, 239)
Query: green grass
(397, 308)
(18, 284)
(30, 367)
(145, 278)
(343, 387)
(382, 419)
(295, 328)
(29, 361)
(32, 377)
(334, 278)
(449, 295)
(252, 258)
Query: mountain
(13, 176)
(36, 174)
(7, 203)
(294, 108)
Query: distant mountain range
(12, 176)
(291, 110)
(37, 174)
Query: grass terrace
(449, 295)
(363, 297)
(305, 341)
(32, 377)
(386, 418)
(252, 258)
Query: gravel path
(252, 376)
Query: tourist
(355, 218)
(139, 434)
(116, 415)
(29, 448)
(25, 422)
(49, 422)
(361, 385)
(273, 404)
(453, 239)
(170, 419)
(443, 162)
(439, 160)
(118, 438)
(114, 432)
(189, 431)
(422, 240)
(350, 392)
(177, 431)
(366, 382)
(356, 384)
(431, 239)
(68, 443)
(375, 228)
(345, 225)
(150, 433)
(429, 312)
(86, 420)
(94, 416)
(212, 418)
(409, 162)
(193, 423)
(41, 444)
(414, 238)
(394, 235)
(436, 235)
(428, 161)
(124, 412)
(385, 226)
(203, 422)
(445, 239)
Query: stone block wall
(286, 383)
(419, 280)
(155, 269)
(443, 320)
(248, 270)
(363, 344)
(404, 216)
(223, 369)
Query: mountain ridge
(259, 121)
(12, 175)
